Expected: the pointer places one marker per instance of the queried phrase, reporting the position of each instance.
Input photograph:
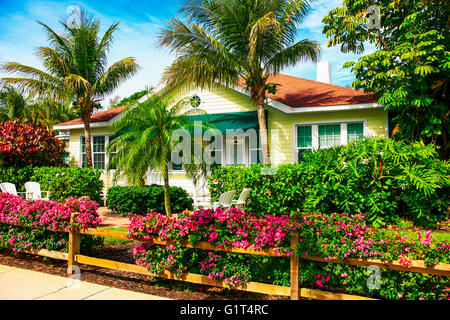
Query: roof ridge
(318, 82)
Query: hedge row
(384, 179)
(125, 200)
(63, 182)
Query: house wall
(283, 152)
(220, 100)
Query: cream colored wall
(284, 151)
(217, 100)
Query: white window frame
(106, 135)
(315, 132)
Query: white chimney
(324, 72)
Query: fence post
(74, 246)
(295, 261)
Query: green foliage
(384, 179)
(409, 71)
(17, 176)
(133, 98)
(62, 182)
(70, 182)
(125, 200)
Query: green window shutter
(355, 131)
(329, 135)
(304, 137)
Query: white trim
(315, 132)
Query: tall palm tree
(223, 41)
(144, 140)
(76, 67)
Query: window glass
(329, 135)
(304, 137)
(355, 131)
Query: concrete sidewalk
(21, 284)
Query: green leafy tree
(228, 40)
(76, 67)
(134, 98)
(410, 68)
(143, 140)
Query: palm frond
(115, 75)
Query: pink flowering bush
(232, 227)
(347, 236)
(48, 217)
(326, 235)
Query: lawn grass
(438, 236)
(108, 240)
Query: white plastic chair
(240, 203)
(225, 200)
(33, 190)
(10, 188)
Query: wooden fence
(74, 257)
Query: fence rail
(74, 257)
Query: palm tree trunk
(167, 192)
(263, 129)
(87, 138)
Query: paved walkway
(21, 284)
(111, 221)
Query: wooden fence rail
(74, 257)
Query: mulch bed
(127, 280)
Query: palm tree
(47, 112)
(224, 41)
(13, 105)
(143, 140)
(76, 67)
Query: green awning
(230, 121)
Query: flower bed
(48, 217)
(341, 236)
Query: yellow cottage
(303, 114)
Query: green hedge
(124, 200)
(63, 182)
(17, 176)
(384, 179)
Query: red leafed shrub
(22, 145)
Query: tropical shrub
(384, 179)
(23, 145)
(17, 176)
(49, 218)
(125, 200)
(69, 182)
(342, 236)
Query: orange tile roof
(299, 93)
(103, 116)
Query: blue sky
(20, 35)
